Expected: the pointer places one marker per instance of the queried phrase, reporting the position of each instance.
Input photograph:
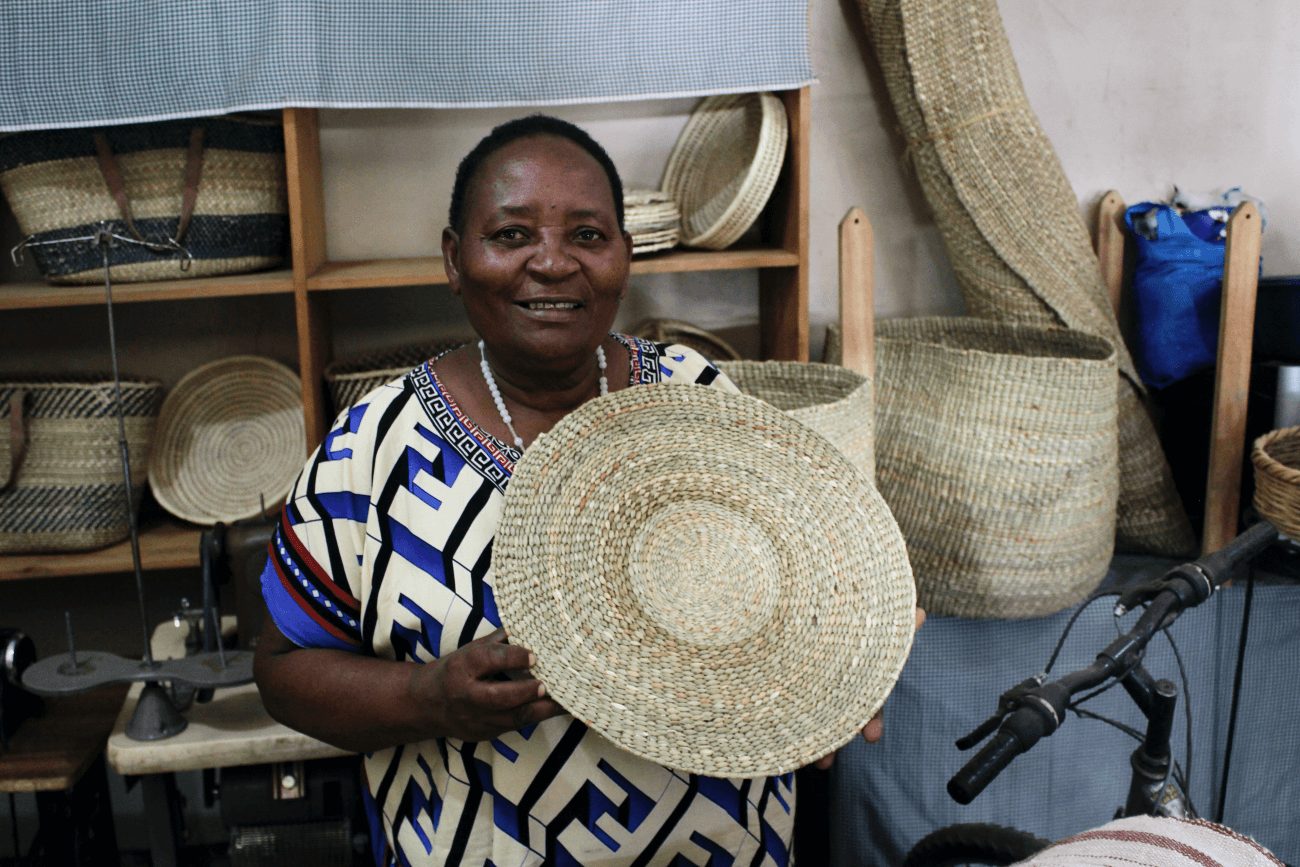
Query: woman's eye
(510, 233)
(588, 235)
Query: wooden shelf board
(162, 546)
(25, 296)
(427, 270)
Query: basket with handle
(1276, 456)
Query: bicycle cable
(1060, 642)
(1186, 781)
(1236, 693)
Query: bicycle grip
(1219, 565)
(981, 770)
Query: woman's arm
(361, 703)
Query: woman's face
(541, 264)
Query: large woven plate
(705, 581)
(724, 166)
(230, 437)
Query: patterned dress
(384, 548)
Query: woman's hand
(470, 695)
(874, 730)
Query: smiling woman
(384, 635)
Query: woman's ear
(627, 242)
(451, 258)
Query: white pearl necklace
(500, 402)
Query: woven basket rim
(174, 487)
(545, 528)
(1263, 459)
(700, 134)
(1102, 349)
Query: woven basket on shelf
(996, 449)
(724, 166)
(61, 466)
(230, 439)
(834, 401)
(215, 185)
(1276, 456)
(349, 379)
(706, 343)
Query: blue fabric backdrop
(112, 61)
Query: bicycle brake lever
(1135, 595)
(1007, 702)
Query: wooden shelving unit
(780, 257)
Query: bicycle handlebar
(1038, 710)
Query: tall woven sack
(832, 400)
(996, 449)
(60, 463)
(1009, 218)
(215, 186)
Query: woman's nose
(553, 259)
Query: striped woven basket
(1276, 456)
(216, 186)
(996, 449)
(834, 401)
(60, 464)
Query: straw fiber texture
(671, 331)
(705, 581)
(1276, 456)
(996, 451)
(230, 438)
(834, 401)
(240, 222)
(66, 493)
(724, 166)
(349, 379)
(1009, 218)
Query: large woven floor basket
(214, 185)
(996, 449)
(1276, 456)
(834, 401)
(60, 464)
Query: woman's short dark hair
(525, 127)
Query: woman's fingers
(874, 730)
(825, 762)
(920, 617)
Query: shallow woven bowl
(1276, 456)
(724, 166)
(230, 438)
(705, 581)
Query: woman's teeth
(552, 305)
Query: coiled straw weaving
(996, 451)
(230, 439)
(705, 581)
(1276, 456)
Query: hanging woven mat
(724, 166)
(834, 401)
(230, 437)
(705, 581)
(1276, 456)
(996, 451)
(61, 466)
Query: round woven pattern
(1276, 456)
(230, 438)
(724, 166)
(670, 331)
(834, 401)
(996, 450)
(705, 581)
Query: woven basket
(230, 439)
(996, 449)
(1276, 456)
(706, 343)
(724, 166)
(63, 490)
(834, 401)
(350, 379)
(60, 184)
(1009, 218)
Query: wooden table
(58, 756)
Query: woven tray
(1276, 456)
(230, 439)
(724, 166)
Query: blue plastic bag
(1177, 287)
